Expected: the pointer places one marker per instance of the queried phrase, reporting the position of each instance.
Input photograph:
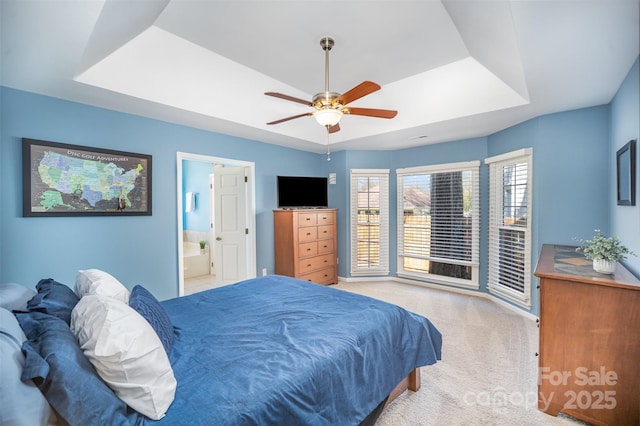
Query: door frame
(250, 210)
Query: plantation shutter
(438, 223)
(510, 226)
(369, 222)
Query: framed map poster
(71, 180)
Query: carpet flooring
(488, 372)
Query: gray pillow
(14, 297)
(22, 402)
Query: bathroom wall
(195, 180)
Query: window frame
(474, 167)
(383, 269)
(496, 223)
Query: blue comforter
(280, 351)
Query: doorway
(230, 239)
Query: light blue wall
(570, 176)
(573, 186)
(195, 179)
(625, 125)
(570, 179)
(136, 250)
(339, 195)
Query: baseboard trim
(433, 286)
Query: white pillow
(126, 352)
(95, 281)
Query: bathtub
(195, 263)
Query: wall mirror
(626, 174)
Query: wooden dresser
(306, 245)
(589, 355)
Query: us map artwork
(64, 179)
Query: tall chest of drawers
(306, 245)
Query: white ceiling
(453, 69)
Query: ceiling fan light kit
(331, 106)
(328, 117)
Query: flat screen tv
(302, 192)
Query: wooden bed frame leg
(411, 382)
(414, 380)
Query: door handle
(218, 238)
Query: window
(510, 226)
(438, 223)
(369, 222)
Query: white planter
(604, 266)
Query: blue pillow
(150, 309)
(53, 298)
(56, 364)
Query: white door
(230, 224)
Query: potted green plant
(604, 251)
(203, 246)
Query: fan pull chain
(328, 151)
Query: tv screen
(302, 191)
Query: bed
(277, 350)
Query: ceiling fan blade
(334, 128)
(363, 89)
(282, 120)
(288, 98)
(371, 112)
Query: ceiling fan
(329, 107)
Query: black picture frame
(626, 174)
(60, 179)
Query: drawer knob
(308, 233)
(308, 249)
(308, 218)
(308, 264)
